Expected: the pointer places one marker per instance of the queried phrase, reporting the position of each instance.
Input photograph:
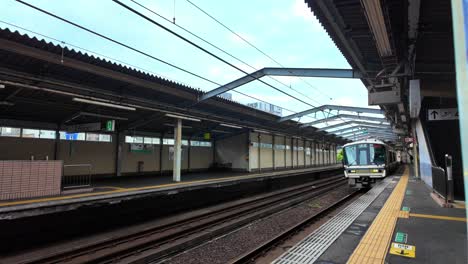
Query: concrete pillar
(57, 144)
(119, 147)
(161, 154)
(259, 152)
(305, 156)
(273, 151)
(285, 153)
(177, 151)
(189, 148)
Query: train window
(377, 154)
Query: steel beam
(298, 72)
(356, 117)
(343, 130)
(332, 107)
(353, 122)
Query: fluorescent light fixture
(103, 116)
(376, 22)
(172, 125)
(183, 117)
(220, 131)
(228, 125)
(262, 131)
(2, 86)
(82, 100)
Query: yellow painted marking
(403, 250)
(440, 217)
(375, 243)
(404, 214)
(459, 204)
(113, 187)
(66, 197)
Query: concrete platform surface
(438, 235)
(124, 188)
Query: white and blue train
(367, 161)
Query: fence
(79, 177)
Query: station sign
(86, 127)
(403, 250)
(442, 114)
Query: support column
(292, 152)
(304, 152)
(259, 150)
(273, 151)
(177, 151)
(119, 148)
(189, 148)
(161, 154)
(57, 144)
(285, 153)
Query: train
(367, 161)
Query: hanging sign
(442, 114)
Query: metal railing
(77, 180)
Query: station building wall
(280, 152)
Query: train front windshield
(364, 154)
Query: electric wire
(213, 45)
(146, 54)
(258, 49)
(123, 62)
(203, 49)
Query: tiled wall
(26, 179)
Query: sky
(286, 30)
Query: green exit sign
(110, 125)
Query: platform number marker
(401, 237)
(405, 208)
(407, 251)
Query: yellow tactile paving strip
(374, 245)
(124, 190)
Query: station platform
(117, 189)
(397, 221)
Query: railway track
(250, 256)
(177, 234)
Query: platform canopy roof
(44, 85)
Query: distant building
(273, 109)
(226, 96)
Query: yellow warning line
(122, 190)
(374, 245)
(440, 217)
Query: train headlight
(352, 171)
(375, 170)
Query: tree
(339, 155)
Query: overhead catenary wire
(139, 51)
(214, 46)
(203, 49)
(258, 49)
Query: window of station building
(168, 141)
(279, 147)
(144, 140)
(31, 133)
(10, 132)
(308, 152)
(266, 145)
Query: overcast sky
(286, 30)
